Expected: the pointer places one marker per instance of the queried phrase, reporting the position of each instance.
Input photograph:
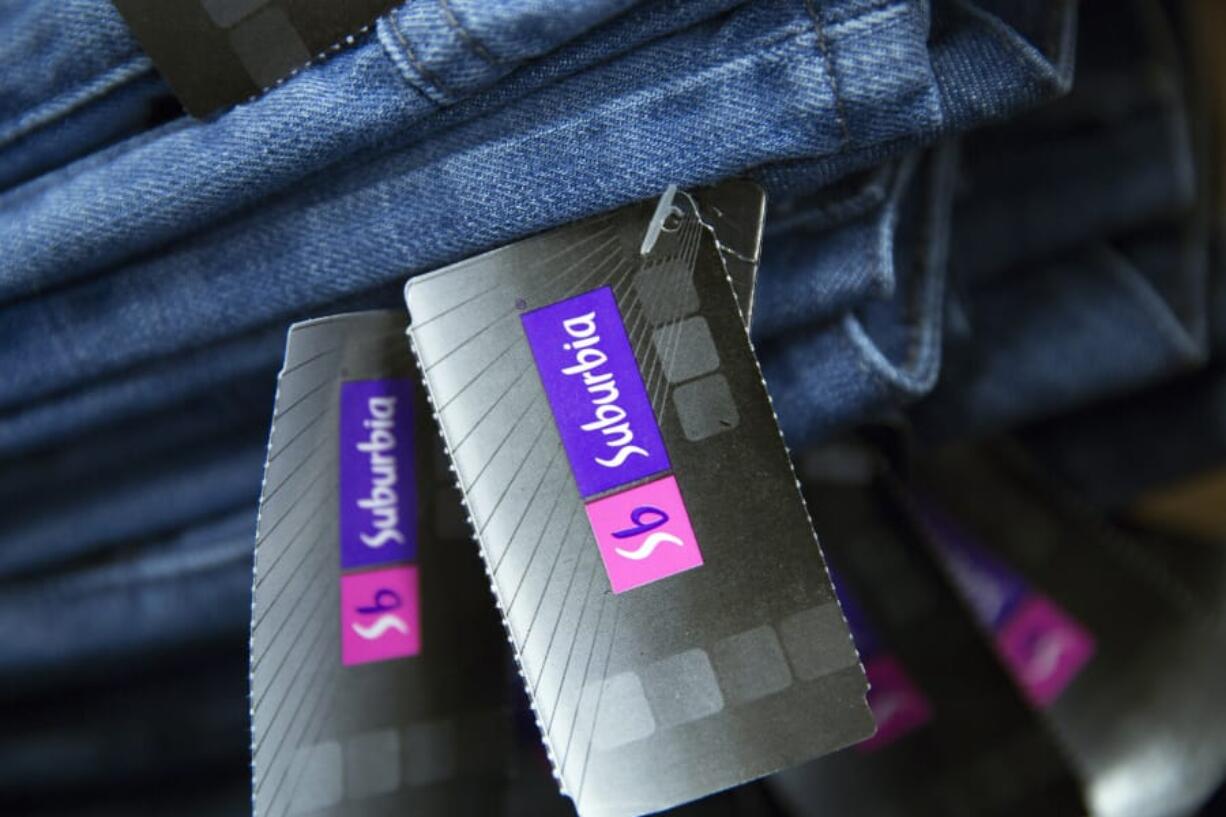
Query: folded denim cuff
(885, 352)
(1115, 155)
(772, 81)
(1083, 328)
(810, 276)
(993, 58)
(388, 214)
(1084, 188)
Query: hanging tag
(216, 53)
(635, 504)
(376, 657)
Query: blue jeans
(153, 277)
(74, 80)
(1079, 266)
(177, 592)
(798, 94)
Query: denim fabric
(1115, 154)
(1082, 270)
(239, 411)
(1113, 452)
(1075, 330)
(230, 377)
(144, 287)
(57, 55)
(175, 490)
(212, 793)
(823, 255)
(118, 113)
(179, 720)
(73, 79)
(372, 96)
(94, 621)
(1056, 182)
(769, 82)
(1109, 453)
(886, 350)
(234, 375)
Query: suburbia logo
(378, 497)
(609, 419)
(611, 437)
(382, 501)
(378, 522)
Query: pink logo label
(1045, 649)
(644, 534)
(380, 617)
(898, 705)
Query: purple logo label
(378, 494)
(992, 590)
(593, 384)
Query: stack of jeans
(150, 264)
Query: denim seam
(834, 20)
(823, 45)
(65, 103)
(1061, 34)
(425, 73)
(924, 350)
(835, 212)
(467, 38)
(883, 267)
(1049, 69)
(857, 23)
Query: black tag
(635, 504)
(376, 656)
(216, 53)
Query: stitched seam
(66, 103)
(839, 211)
(929, 301)
(393, 51)
(836, 19)
(824, 46)
(426, 74)
(467, 37)
(920, 365)
(874, 18)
